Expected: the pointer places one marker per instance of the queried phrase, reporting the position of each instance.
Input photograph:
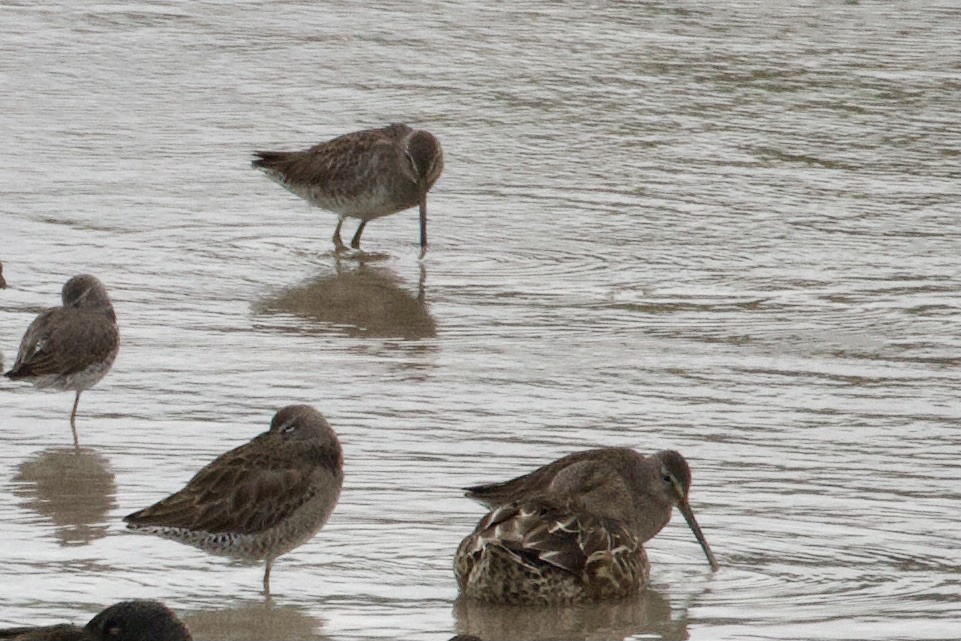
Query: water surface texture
(728, 228)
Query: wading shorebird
(364, 174)
(260, 500)
(574, 530)
(73, 346)
(124, 621)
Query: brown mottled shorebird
(124, 621)
(3, 283)
(574, 530)
(260, 500)
(73, 346)
(364, 174)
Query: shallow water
(727, 229)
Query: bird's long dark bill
(423, 222)
(685, 509)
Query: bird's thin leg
(267, 577)
(355, 242)
(338, 243)
(73, 421)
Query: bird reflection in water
(255, 620)
(363, 302)
(73, 488)
(647, 612)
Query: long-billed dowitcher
(260, 500)
(574, 530)
(73, 346)
(364, 174)
(124, 621)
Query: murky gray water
(724, 228)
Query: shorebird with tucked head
(73, 346)
(124, 621)
(574, 530)
(260, 500)
(364, 174)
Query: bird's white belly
(367, 205)
(78, 381)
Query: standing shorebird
(574, 530)
(124, 621)
(73, 346)
(364, 174)
(260, 500)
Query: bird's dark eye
(287, 429)
(667, 478)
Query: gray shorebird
(260, 500)
(73, 346)
(124, 621)
(3, 283)
(574, 530)
(364, 174)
